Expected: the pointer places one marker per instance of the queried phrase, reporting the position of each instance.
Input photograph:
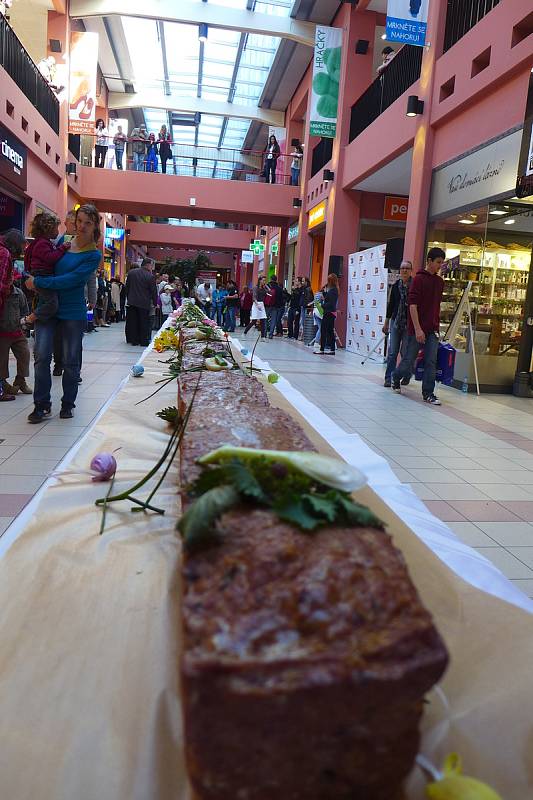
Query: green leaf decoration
(295, 511)
(273, 377)
(322, 505)
(197, 524)
(357, 514)
(169, 414)
(244, 481)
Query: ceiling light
(202, 32)
(383, 36)
(509, 222)
(467, 221)
(414, 106)
(498, 212)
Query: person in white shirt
(203, 295)
(101, 143)
(167, 302)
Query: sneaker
(328, 351)
(387, 384)
(58, 371)
(66, 413)
(39, 415)
(22, 386)
(4, 398)
(432, 400)
(406, 381)
(8, 388)
(396, 387)
(80, 379)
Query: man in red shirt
(425, 297)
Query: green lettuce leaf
(197, 524)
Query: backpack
(270, 297)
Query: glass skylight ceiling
(229, 67)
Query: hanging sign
(407, 21)
(83, 66)
(524, 185)
(326, 76)
(13, 159)
(247, 257)
(317, 215)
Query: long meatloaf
(306, 658)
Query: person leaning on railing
(119, 140)
(139, 139)
(101, 143)
(165, 150)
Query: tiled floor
(29, 453)
(470, 461)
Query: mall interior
(399, 126)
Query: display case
(489, 251)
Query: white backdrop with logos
(367, 301)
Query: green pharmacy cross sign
(275, 248)
(257, 247)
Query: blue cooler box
(445, 364)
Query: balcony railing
(195, 161)
(322, 153)
(396, 78)
(19, 66)
(461, 17)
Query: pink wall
(224, 260)
(168, 196)
(188, 236)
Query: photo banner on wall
(407, 21)
(326, 77)
(82, 91)
(367, 302)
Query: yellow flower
(455, 786)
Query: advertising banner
(13, 159)
(524, 185)
(326, 76)
(82, 91)
(407, 21)
(367, 301)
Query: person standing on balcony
(152, 152)
(165, 150)
(272, 153)
(387, 54)
(119, 141)
(139, 138)
(296, 164)
(101, 143)
(396, 321)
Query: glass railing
(192, 161)
(462, 16)
(397, 77)
(22, 69)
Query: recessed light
(466, 221)
(497, 212)
(509, 222)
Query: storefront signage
(524, 184)
(488, 173)
(293, 232)
(13, 159)
(407, 21)
(317, 215)
(83, 66)
(114, 233)
(395, 209)
(247, 257)
(326, 76)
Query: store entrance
(11, 213)
(491, 247)
(317, 261)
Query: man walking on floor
(141, 293)
(395, 326)
(425, 297)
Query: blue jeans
(218, 311)
(274, 317)
(230, 318)
(72, 331)
(406, 366)
(318, 323)
(295, 176)
(397, 342)
(151, 162)
(138, 162)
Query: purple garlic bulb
(103, 466)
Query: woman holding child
(71, 273)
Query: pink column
(304, 247)
(59, 28)
(420, 188)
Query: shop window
(481, 62)
(37, 138)
(522, 30)
(447, 89)
(24, 123)
(488, 253)
(10, 109)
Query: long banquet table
(89, 632)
